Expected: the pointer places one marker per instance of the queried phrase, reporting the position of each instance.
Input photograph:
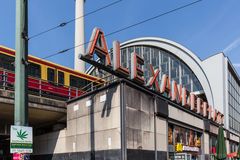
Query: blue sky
(205, 28)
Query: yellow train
(46, 76)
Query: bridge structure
(47, 108)
(46, 112)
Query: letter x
(154, 80)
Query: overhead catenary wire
(63, 24)
(127, 27)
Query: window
(233, 102)
(187, 137)
(138, 50)
(155, 58)
(7, 62)
(78, 82)
(123, 59)
(50, 75)
(34, 70)
(164, 64)
(175, 69)
(165, 61)
(60, 78)
(170, 135)
(212, 144)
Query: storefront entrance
(183, 143)
(5, 148)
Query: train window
(78, 82)
(34, 70)
(50, 75)
(60, 78)
(7, 62)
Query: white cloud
(236, 65)
(232, 45)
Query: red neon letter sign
(136, 71)
(98, 44)
(153, 79)
(176, 92)
(116, 60)
(165, 85)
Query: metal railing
(48, 89)
(39, 87)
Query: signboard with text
(191, 149)
(170, 88)
(21, 140)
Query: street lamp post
(21, 58)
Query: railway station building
(127, 118)
(159, 101)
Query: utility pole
(79, 64)
(21, 58)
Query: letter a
(166, 86)
(98, 45)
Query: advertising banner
(21, 140)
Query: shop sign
(179, 147)
(191, 149)
(171, 89)
(180, 157)
(21, 139)
(17, 156)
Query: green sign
(21, 140)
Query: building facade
(127, 121)
(198, 76)
(226, 91)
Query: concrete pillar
(228, 146)
(206, 143)
(79, 65)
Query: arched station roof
(184, 54)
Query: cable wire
(127, 27)
(63, 24)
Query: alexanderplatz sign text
(174, 91)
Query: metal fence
(48, 89)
